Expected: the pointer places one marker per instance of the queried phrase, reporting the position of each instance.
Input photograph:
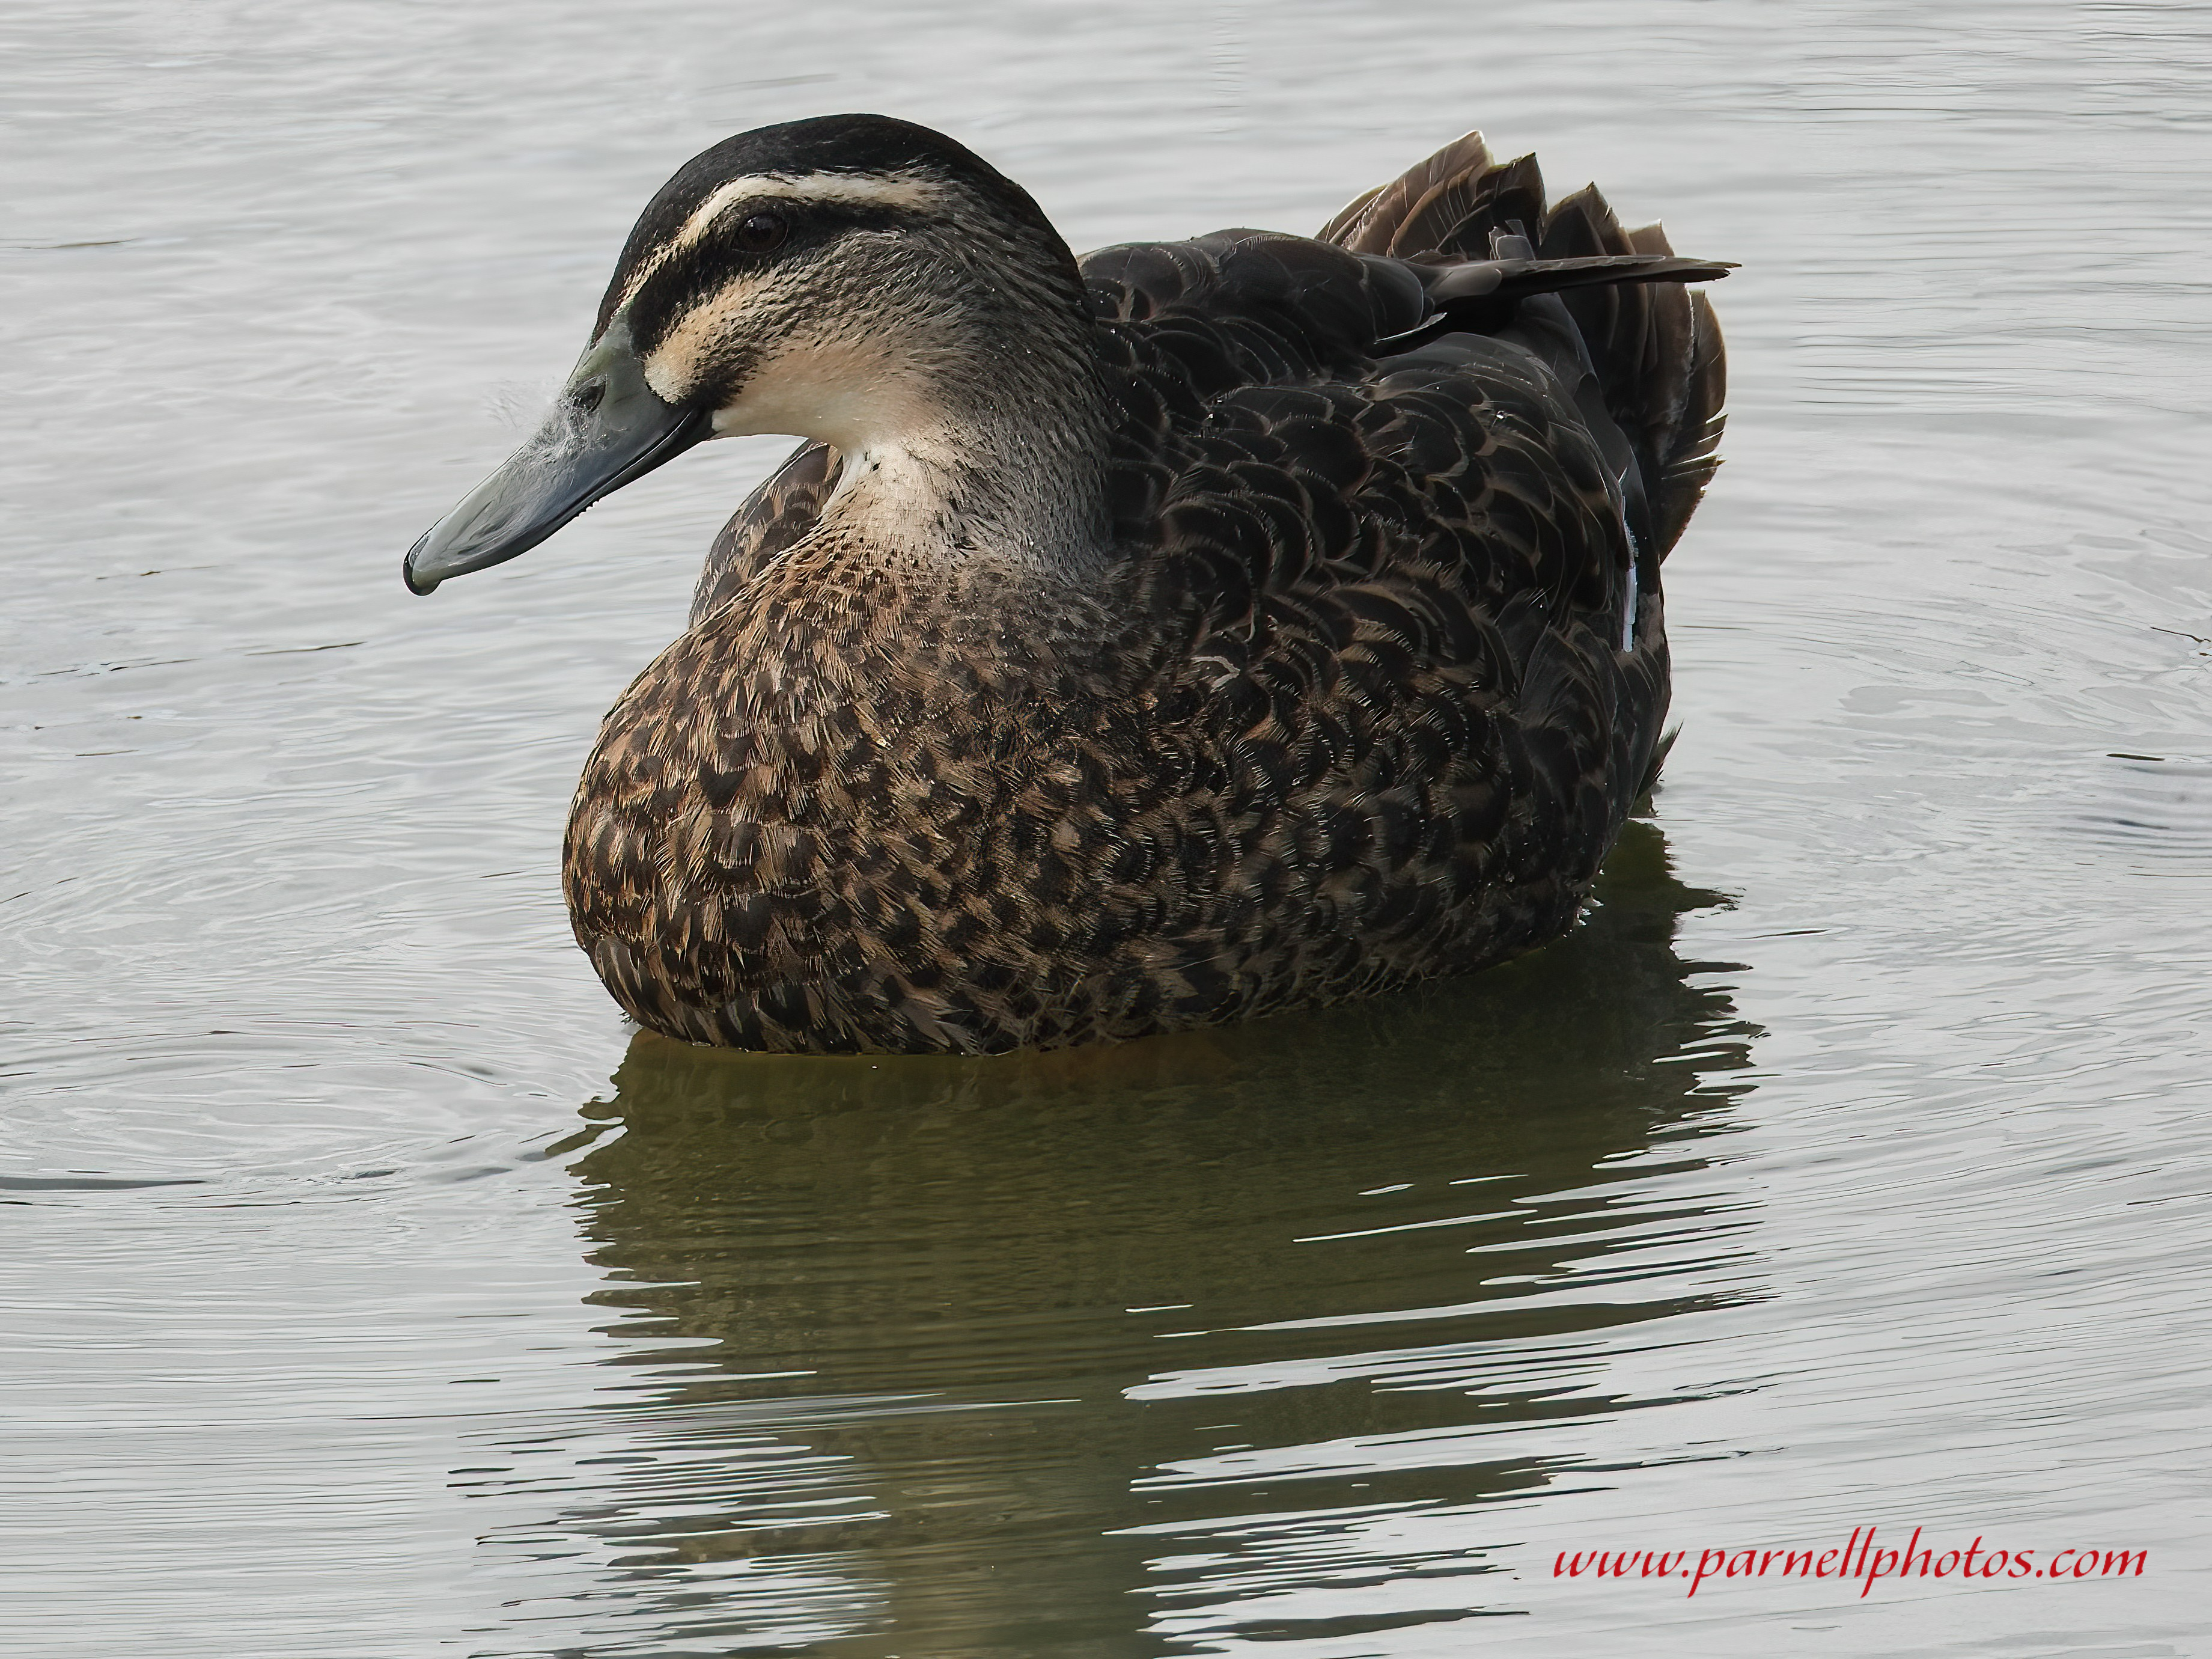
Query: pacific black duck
(1162, 638)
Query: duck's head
(852, 279)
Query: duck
(1182, 634)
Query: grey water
(370, 1289)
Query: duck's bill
(608, 428)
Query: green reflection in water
(1111, 1351)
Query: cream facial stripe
(873, 190)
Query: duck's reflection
(953, 1354)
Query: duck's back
(1389, 665)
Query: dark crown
(859, 144)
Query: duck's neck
(1027, 497)
(993, 448)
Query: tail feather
(1654, 344)
(1657, 348)
(1455, 216)
(1695, 455)
(1369, 223)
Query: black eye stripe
(694, 271)
(795, 219)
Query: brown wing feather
(784, 508)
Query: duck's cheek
(801, 406)
(717, 342)
(846, 394)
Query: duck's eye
(758, 233)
